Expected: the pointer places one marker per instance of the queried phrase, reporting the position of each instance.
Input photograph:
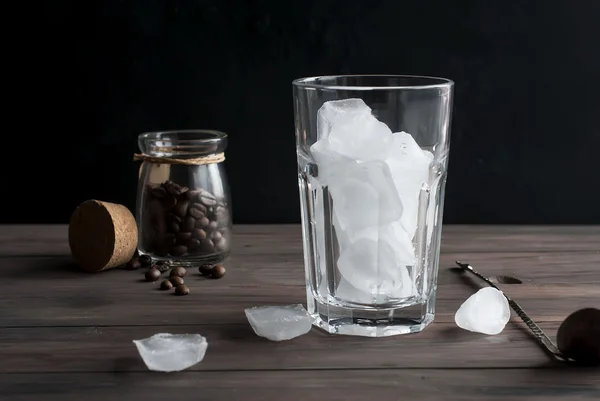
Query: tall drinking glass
(372, 160)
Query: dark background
(88, 76)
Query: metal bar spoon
(538, 333)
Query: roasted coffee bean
(161, 266)
(183, 237)
(174, 188)
(216, 236)
(207, 246)
(188, 224)
(178, 250)
(207, 198)
(133, 264)
(152, 275)
(221, 245)
(178, 271)
(206, 270)
(158, 192)
(218, 271)
(213, 225)
(193, 244)
(145, 260)
(182, 290)
(166, 285)
(192, 195)
(181, 208)
(199, 233)
(176, 280)
(169, 239)
(169, 202)
(202, 223)
(196, 212)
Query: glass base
(372, 322)
(187, 261)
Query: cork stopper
(102, 235)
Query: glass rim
(188, 135)
(309, 82)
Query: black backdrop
(92, 75)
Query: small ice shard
(278, 323)
(164, 352)
(487, 311)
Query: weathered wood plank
(236, 347)
(52, 239)
(50, 291)
(337, 385)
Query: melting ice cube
(364, 195)
(409, 166)
(164, 352)
(278, 323)
(487, 311)
(347, 128)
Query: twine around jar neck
(211, 159)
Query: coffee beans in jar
(183, 203)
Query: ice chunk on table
(363, 196)
(349, 129)
(487, 311)
(409, 166)
(164, 352)
(277, 323)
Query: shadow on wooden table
(45, 267)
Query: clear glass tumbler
(372, 160)
(183, 201)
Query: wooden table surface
(67, 335)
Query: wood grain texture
(65, 333)
(338, 385)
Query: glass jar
(183, 202)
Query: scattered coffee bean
(166, 285)
(152, 275)
(218, 271)
(182, 290)
(162, 266)
(176, 280)
(206, 270)
(145, 260)
(178, 271)
(133, 264)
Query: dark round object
(161, 266)
(578, 336)
(206, 270)
(182, 290)
(166, 285)
(218, 271)
(152, 275)
(178, 271)
(133, 264)
(176, 280)
(145, 260)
